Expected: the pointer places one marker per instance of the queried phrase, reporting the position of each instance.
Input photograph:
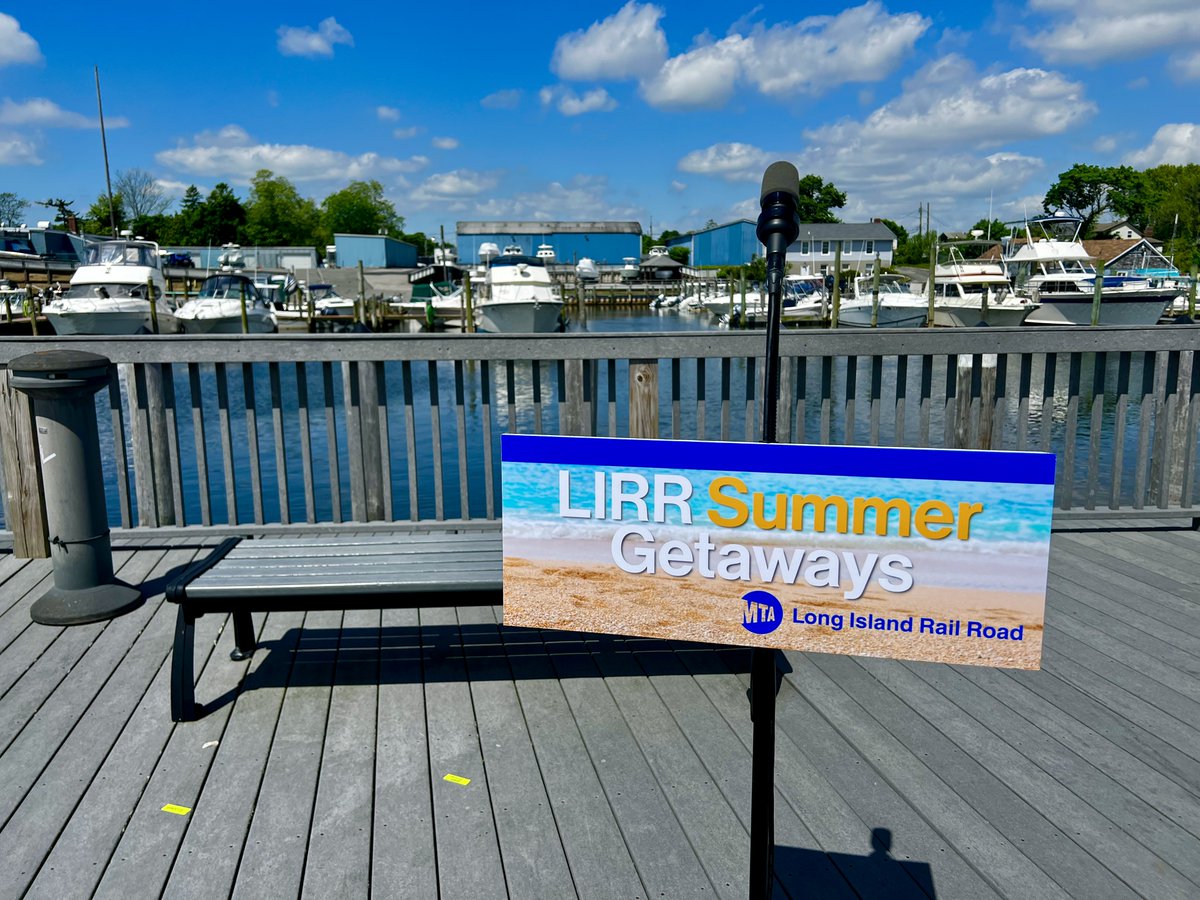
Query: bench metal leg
(183, 679)
(244, 643)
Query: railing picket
(926, 412)
(119, 459)
(876, 397)
(1145, 427)
(410, 435)
(172, 435)
(726, 365)
(490, 488)
(200, 442)
(851, 392)
(999, 399)
(285, 513)
(385, 440)
(1124, 364)
(676, 363)
(751, 383)
(435, 427)
(306, 459)
(252, 441)
(901, 398)
(950, 402)
(1164, 429)
(535, 371)
(700, 398)
(611, 373)
(1025, 384)
(1187, 486)
(352, 406)
(1071, 430)
(223, 417)
(783, 406)
(335, 475)
(826, 399)
(510, 392)
(801, 395)
(460, 412)
(1095, 425)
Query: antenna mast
(112, 212)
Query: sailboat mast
(112, 212)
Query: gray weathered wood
(24, 501)
(643, 398)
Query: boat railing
(235, 434)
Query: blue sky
(665, 112)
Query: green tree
(63, 208)
(359, 208)
(915, 250)
(680, 254)
(898, 230)
(276, 214)
(12, 208)
(186, 223)
(818, 199)
(220, 217)
(1090, 191)
(97, 221)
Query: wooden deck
(599, 766)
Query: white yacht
(631, 269)
(217, 308)
(545, 253)
(110, 292)
(444, 301)
(1058, 274)
(898, 307)
(585, 269)
(805, 300)
(970, 293)
(518, 297)
(327, 301)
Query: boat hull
(859, 316)
(1145, 310)
(997, 316)
(114, 322)
(229, 325)
(519, 317)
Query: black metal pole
(778, 226)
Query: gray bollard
(61, 383)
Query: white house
(815, 249)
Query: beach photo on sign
(912, 568)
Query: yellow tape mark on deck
(456, 779)
(178, 810)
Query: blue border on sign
(995, 466)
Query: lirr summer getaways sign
(936, 555)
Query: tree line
(272, 214)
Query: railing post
(151, 450)
(24, 502)
(643, 398)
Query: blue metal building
(731, 244)
(375, 251)
(605, 243)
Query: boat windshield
(106, 291)
(516, 260)
(223, 287)
(321, 291)
(120, 253)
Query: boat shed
(374, 251)
(605, 243)
(731, 244)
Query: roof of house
(845, 231)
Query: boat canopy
(121, 253)
(514, 259)
(225, 286)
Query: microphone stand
(778, 226)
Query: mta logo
(763, 612)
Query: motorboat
(16, 245)
(326, 301)
(895, 307)
(545, 253)
(440, 305)
(1059, 275)
(968, 293)
(631, 269)
(219, 306)
(111, 290)
(805, 300)
(518, 297)
(585, 269)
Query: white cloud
(18, 151)
(456, 185)
(582, 197)
(1186, 66)
(731, 161)
(272, 98)
(506, 99)
(1104, 30)
(387, 113)
(403, 134)
(678, 186)
(865, 43)
(176, 189)
(1106, 143)
(1176, 144)
(231, 153)
(567, 102)
(703, 78)
(43, 113)
(15, 45)
(305, 41)
(445, 143)
(628, 44)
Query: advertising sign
(937, 555)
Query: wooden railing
(381, 428)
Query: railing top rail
(611, 345)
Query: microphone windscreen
(780, 176)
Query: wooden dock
(600, 766)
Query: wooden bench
(313, 573)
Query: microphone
(778, 223)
